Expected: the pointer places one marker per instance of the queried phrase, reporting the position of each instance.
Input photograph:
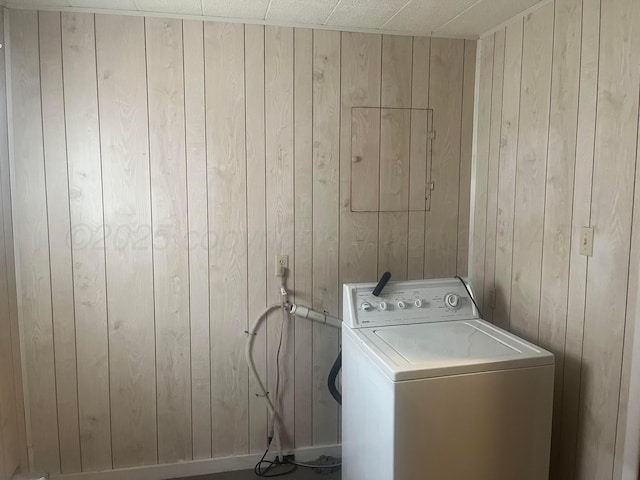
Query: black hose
(333, 379)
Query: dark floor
(300, 474)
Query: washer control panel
(401, 303)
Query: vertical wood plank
(507, 173)
(397, 60)
(360, 87)
(31, 233)
(445, 98)
(611, 215)
(326, 225)
(395, 145)
(393, 253)
(87, 235)
(480, 167)
(55, 156)
(559, 197)
(198, 237)
(531, 172)
(419, 159)
(226, 172)
(365, 159)
(466, 154)
(256, 221)
(280, 217)
(167, 158)
(124, 137)
(582, 186)
(492, 177)
(303, 225)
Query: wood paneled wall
(13, 443)
(159, 166)
(557, 138)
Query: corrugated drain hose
(333, 379)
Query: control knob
(401, 305)
(383, 306)
(452, 301)
(366, 307)
(418, 303)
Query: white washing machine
(433, 392)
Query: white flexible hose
(248, 352)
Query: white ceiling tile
(300, 11)
(248, 9)
(426, 15)
(183, 7)
(104, 4)
(484, 16)
(364, 13)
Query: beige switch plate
(586, 241)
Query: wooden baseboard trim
(195, 467)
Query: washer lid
(408, 352)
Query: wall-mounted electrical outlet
(282, 262)
(586, 241)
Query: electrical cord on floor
(466, 287)
(270, 465)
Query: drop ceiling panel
(485, 15)
(425, 16)
(457, 18)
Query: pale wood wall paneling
(507, 173)
(531, 172)
(445, 99)
(11, 328)
(583, 178)
(256, 220)
(167, 157)
(326, 224)
(559, 197)
(11, 444)
(226, 174)
(180, 158)
(197, 201)
(62, 296)
(278, 92)
(32, 234)
(87, 239)
(480, 167)
(611, 214)
(303, 224)
(488, 295)
(124, 138)
(570, 111)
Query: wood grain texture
(124, 138)
(395, 147)
(197, 220)
(360, 86)
(480, 167)
(393, 240)
(365, 159)
(582, 197)
(279, 124)
(466, 154)
(397, 60)
(226, 173)
(32, 252)
(507, 173)
(611, 214)
(531, 172)
(87, 238)
(303, 226)
(10, 261)
(256, 221)
(56, 169)
(326, 225)
(559, 197)
(493, 175)
(445, 98)
(169, 204)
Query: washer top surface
(429, 350)
(450, 341)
